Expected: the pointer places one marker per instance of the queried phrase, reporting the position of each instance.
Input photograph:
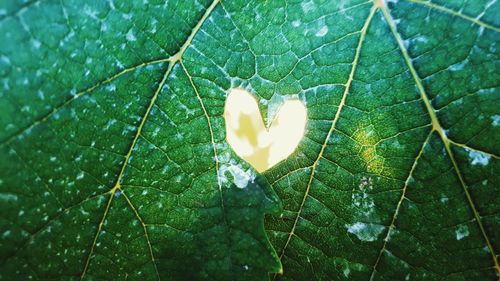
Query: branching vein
(439, 129)
(334, 123)
(173, 60)
(398, 206)
(72, 98)
(143, 224)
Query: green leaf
(114, 164)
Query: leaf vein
(476, 21)
(398, 206)
(174, 59)
(332, 128)
(439, 129)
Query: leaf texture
(114, 163)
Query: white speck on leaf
(5, 59)
(307, 6)
(90, 13)
(346, 271)
(80, 176)
(495, 120)
(458, 66)
(422, 39)
(406, 43)
(462, 232)
(322, 31)
(6, 234)
(40, 94)
(36, 43)
(111, 88)
(130, 36)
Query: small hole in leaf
(251, 140)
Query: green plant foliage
(114, 164)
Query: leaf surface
(114, 164)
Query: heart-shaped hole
(251, 140)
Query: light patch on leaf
(240, 177)
(307, 6)
(322, 31)
(131, 36)
(362, 200)
(6, 234)
(8, 197)
(111, 88)
(365, 231)
(462, 232)
(422, 39)
(458, 66)
(346, 271)
(478, 158)
(495, 120)
(366, 182)
(80, 176)
(36, 44)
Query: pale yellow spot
(368, 139)
(379, 3)
(250, 139)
